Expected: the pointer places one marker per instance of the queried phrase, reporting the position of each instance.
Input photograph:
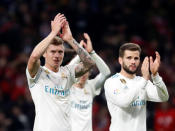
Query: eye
(52, 51)
(129, 57)
(136, 58)
(60, 51)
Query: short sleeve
(32, 81)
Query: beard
(128, 70)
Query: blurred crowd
(110, 23)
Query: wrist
(156, 78)
(154, 74)
(146, 77)
(70, 41)
(92, 52)
(53, 34)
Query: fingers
(64, 27)
(146, 63)
(86, 36)
(151, 61)
(82, 43)
(157, 56)
(57, 16)
(145, 68)
(60, 18)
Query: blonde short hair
(57, 41)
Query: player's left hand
(87, 45)
(66, 34)
(154, 65)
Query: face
(84, 77)
(54, 56)
(130, 61)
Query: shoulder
(40, 70)
(113, 77)
(139, 78)
(111, 80)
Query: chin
(56, 65)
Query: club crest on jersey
(85, 91)
(47, 72)
(123, 81)
(63, 75)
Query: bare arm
(34, 59)
(86, 61)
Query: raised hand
(145, 68)
(66, 33)
(88, 45)
(82, 43)
(154, 65)
(57, 23)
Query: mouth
(56, 61)
(133, 67)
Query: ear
(120, 60)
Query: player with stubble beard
(127, 94)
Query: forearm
(42, 46)
(82, 53)
(103, 69)
(34, 60)
(123, 96)
(122, 99)
(99, 81)
(161, 87)
(101, 65)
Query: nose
(57, 54)
(133, 61)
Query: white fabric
(126, 100)
(50, 92)
(82, 99)
(81, 106)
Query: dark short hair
(57, 41)
(128, 46)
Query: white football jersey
(126, 100)
(82, 99)
(50, 92)
(81, 106)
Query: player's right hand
(57, 23)
(145, 69)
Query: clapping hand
(87, 45)
(154, 65)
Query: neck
(54, 69)
(124, 73)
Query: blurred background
(110, 23)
